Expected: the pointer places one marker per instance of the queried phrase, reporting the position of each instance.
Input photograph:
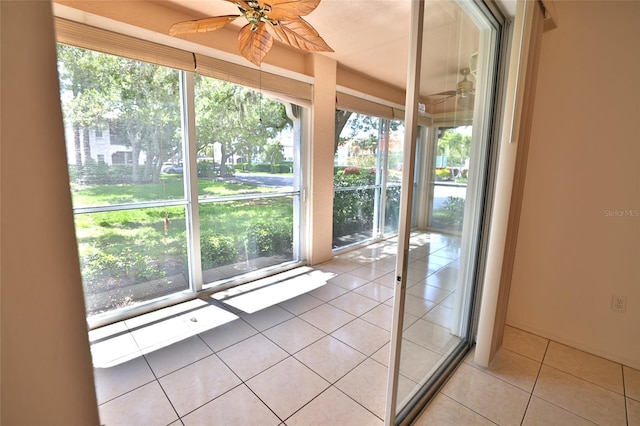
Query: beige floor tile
(206, 317)
(328, 292)
(633, 412)
(343, 411)
(591, 368)
(337, 266)
(542, 413)
(354, 303)
(267, 318)
(252, 356)
(431, 336)
(583, 398)
(301, 304)
(444, 411)
(441, 315)
(416, 362)
(327, 318)
(294, 334)
(388, 280)
(381, 316)
(239, 406)
(348, 281)
(429, 292)
(375, 291)
(118, 379)
(114, 349)
(367, 385)
(369, 272)
(330, 358)
(175, 356)
(481, 392)
(198, 383)
(631, 383)
(416, 306)
(511, 367)
(363, 336)
(161, 333)
(524, 343)
(147, 406)
(228, 334)
(288, 386)
(382, 355)
(445, 278)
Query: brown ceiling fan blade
(288, 10)
(300, 34)
(201, 25)
(447, 93)
(254, 45)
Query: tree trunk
(223, 159)
(77, 146)
(86, 147)
(341, 120)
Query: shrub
(267, 239)
(216, 250)
(129, 264)
(443, 174)
(351, 171)
(454, 208)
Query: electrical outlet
(618, 303)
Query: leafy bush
(206, 169)
(454, 208)
(443, 174)
(268, 239)
(131, 264)
(217, 250)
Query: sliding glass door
(439, 264)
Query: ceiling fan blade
(300, 34)
(288, 10)
(201, 25)
(254, 45)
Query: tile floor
(534, 381)
(311, 347)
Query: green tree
(241, 120)
(273, 153)
(87, 94)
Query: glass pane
(441, 260)
(131, 256)
(451, 172)
(394, 152)
(245, 141)
(356, 179)
(237, 237)
(122, 128)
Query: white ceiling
(371, 37)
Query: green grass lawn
(170, 187)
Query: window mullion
(190, 154)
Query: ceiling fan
(278, 19)
(464, 90)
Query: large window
(158, 212)
(367, 177)
(247, 179)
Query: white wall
(46, 364)
(572, 255)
